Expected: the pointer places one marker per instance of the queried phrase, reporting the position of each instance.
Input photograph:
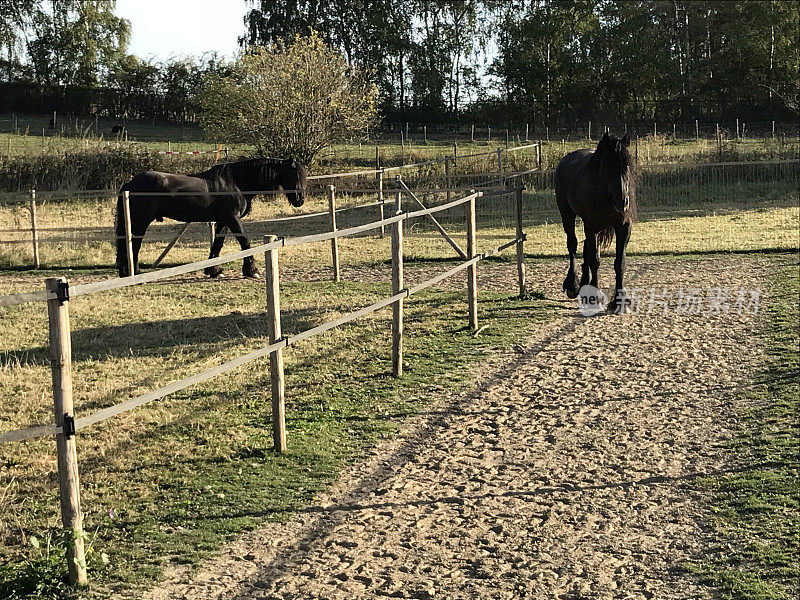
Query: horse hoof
(213, 272)
(571, 287)
(253, 274)
(620, 308)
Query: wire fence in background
(661, 190)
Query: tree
(288, 100)
(373, 34)
(76, 42)
(14, 18)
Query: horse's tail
(119, 230)
(605, 237)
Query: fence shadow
(154, 337)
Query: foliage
(545, 62)
(91, 169)
(651, 59)
(424, 53)
(289, 100)
(639, 59)
(72, 42)
(42, 575)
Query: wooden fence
(447, 180)
(58, 293)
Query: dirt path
(562, 475)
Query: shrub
(91, 169)
(289, 101)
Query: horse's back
(572, 167)
(570, 176)
(158, 181)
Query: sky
(161, 29)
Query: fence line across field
(58, 294)
(23, 197)
(88, 238)
(90, 288)
(20, 197)
(454, 183)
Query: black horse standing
(223, 194)
(600, 187)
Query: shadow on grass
(156, 337)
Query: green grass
(170, 483)
(756, 513)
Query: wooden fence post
(397, 286)
(500, 165)
(380, 201)
(68, 481)
(472, 271)
(539, 154)
(447, 177)
(334, 241)
(34, 232)
(276, 356)
(126, 208)
(520, 248)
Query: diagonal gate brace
(171, 244)
(438, 225)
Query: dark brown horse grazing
(600, 187)
(223, 194)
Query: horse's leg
(216, 248)
(568, 221)
(249, 268)
(139, 226)
(585, 275)
(620, 304)
(591, 258)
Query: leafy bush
(289, 101)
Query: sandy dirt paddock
(565, 473)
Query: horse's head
(617, 170)
(293, 181)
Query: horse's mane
(612, 156)
(242, 177)
(222, 176)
